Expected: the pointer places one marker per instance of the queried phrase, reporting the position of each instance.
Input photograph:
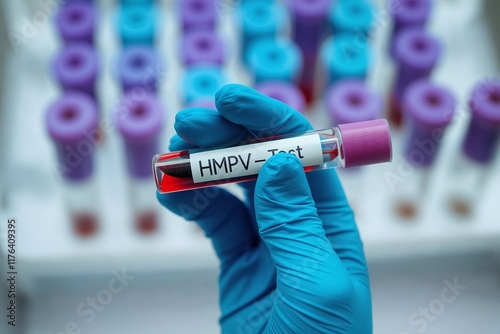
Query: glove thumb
(287, 217)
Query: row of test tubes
(328, 57)
(74, 120)
(303, 52)
(423, 110)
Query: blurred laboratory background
(89, 93)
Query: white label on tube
(247, 160)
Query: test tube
(202, 47)
(472, 165)
(343, 56)
(351, 16)
(274, 59)
(139, 121)
(136, 24)
(309, 27)
(258, 19)
(72, 122)
(406, 14)
(285, 92)
(429, 109)
(349, 145)
(140, 66)
(350, 101)
(198, 14)
(416, 53)
(76, 68)
(201, 82)
(76, 22)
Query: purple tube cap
(139, 118)
(76, 65)
(428, 104)
(310, 9)
(417, 49)
(365, 143)
(71, 117)
(76, 21)
(202, 46)
(485, 102)
(140, 66)
(285, 92)
(351, 100)
(196, 13)
(410, 12)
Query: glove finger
(179, 144)
(222, 216)
(338, 222)
(309, 272)
(260, 114)
(206, 128)
(200, 127)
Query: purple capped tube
(140, 120)
(76, 22)
(140, 67)
(483, 132)
(406, 14)
(429, 109)
(417, 53)
(309, 27)
(76, 68)
(472, 165)
(285, 92)
(202, 47)
(351, 100)
(198, 14)
(72, 123)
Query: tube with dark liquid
(348, 145)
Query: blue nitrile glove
(309, 275)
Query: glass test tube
(139, 121)
(202, 47)
(416, 53)
(259, 19)
(76, 22)
(140, 66)
(76, 68)
(198, 14)
(349, 145)
(309, 27)
(406, 14)
(285, 92)
(350, 101)
(72, 122)
(471, 166)
(429, 109)
(274, 59)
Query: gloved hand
(291, 258)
